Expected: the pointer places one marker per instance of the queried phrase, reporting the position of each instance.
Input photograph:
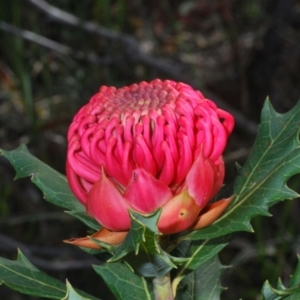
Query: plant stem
(162, 288)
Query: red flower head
(148, 146)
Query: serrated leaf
(53, 184)
(72, 294)
(23, 259)
(150, 265)
(202, 251)
(262, 180)
(142, 230)
(202, 284)
(198, 253)
(141, 247)
(270, 293)
(123, 283)
(281, 292)
(20, 275)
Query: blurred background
(54, 55)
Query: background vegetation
(54, 55)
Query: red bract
(148, 146)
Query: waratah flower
(149, 146)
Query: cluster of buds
(149, 146)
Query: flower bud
(149, 146)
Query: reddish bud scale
(153, 141)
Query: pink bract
(147, 146)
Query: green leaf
(142, 230)
(141, 247)
(281, 292)
(202, 284)
(202, 251)
(22, 276)
(262, 181)
(123, 283)
(72, 294)
(270, 293)
(150, 265)
(23, 259)
(53, 184)
(198, 254)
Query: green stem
(162, 288)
